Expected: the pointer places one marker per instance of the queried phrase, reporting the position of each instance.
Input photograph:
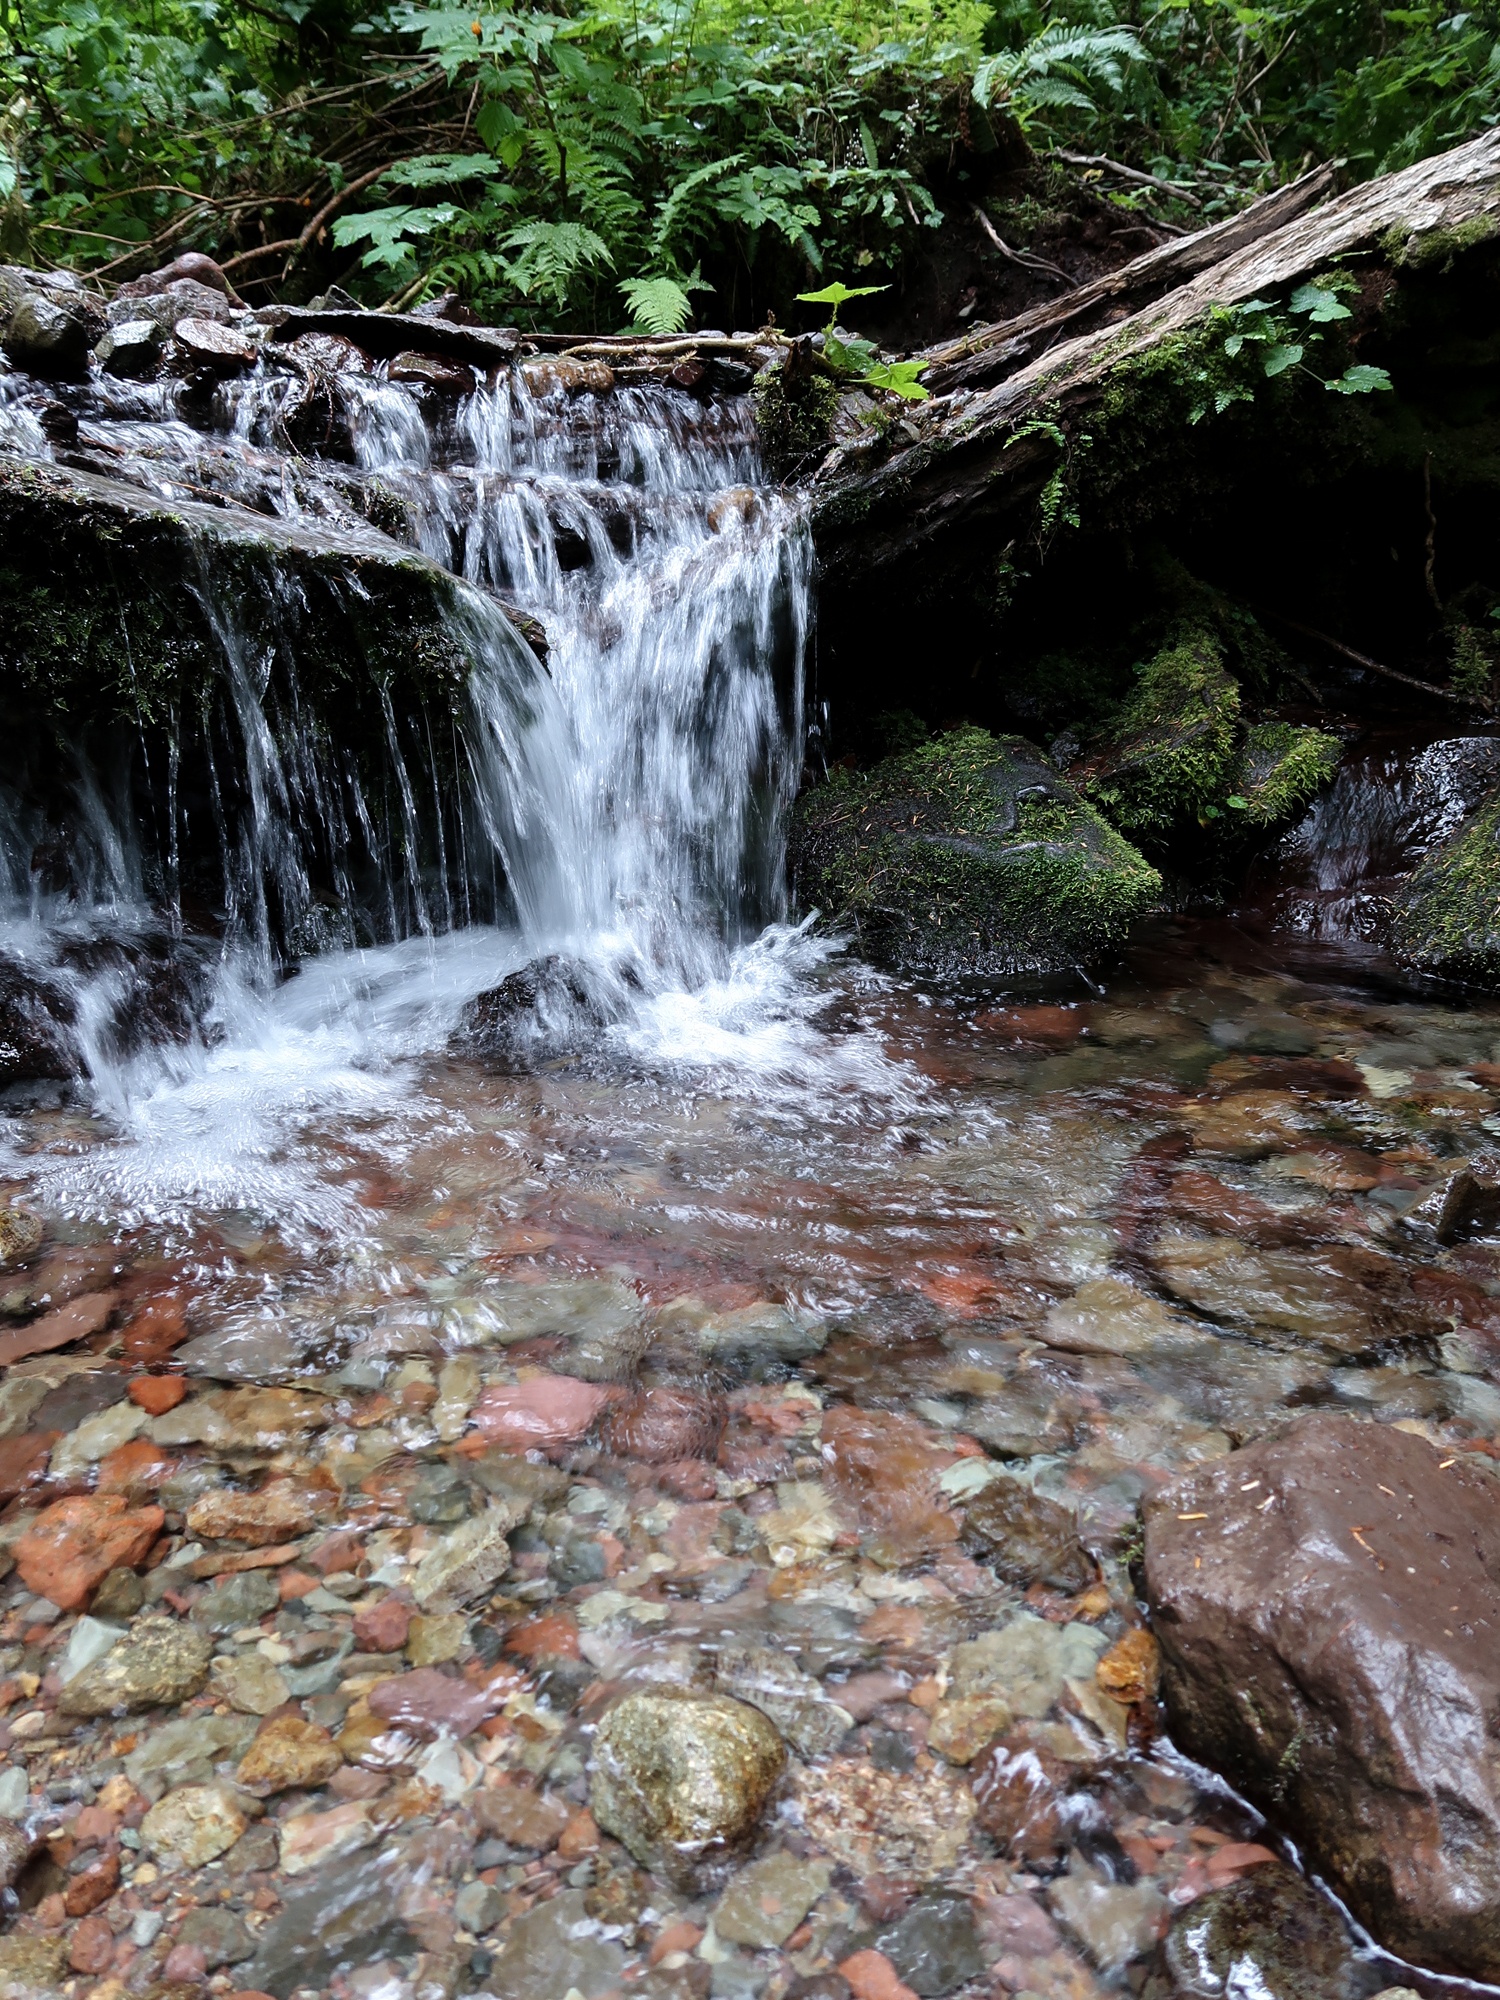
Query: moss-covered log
(969, 854)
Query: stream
(734, 1269)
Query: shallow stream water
(817, 1255)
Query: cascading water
(616, 814)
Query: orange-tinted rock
(276, 1513)
(548, 1410)
(552, 1637)
(158, 1326)
(871, 1976)
(658, 1426)
(580, 1837)
(335, 1552)
(73, 1545)
(95, 1885)
(1043, 1027)
(687, 1479)
(883, 1469)
(139, 1466)
(523, 1818)
(85, 1316)
(382, 1627)
(156, 1394)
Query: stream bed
(547, 1285)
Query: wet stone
(766, 1902)
(237, 1601)
(194, 1825)
(350, 1913)
(249, 1683)
(220, 1935)
(159, 1663)
(934, 1946)
(1116, 1923)
(1027, 1538)
(187, 1751)
(1270, 1934)
(289, 1753)
(682, 1779)
(813, 1724)
(465, 1563)
(1028, 1662)
(555, 1949)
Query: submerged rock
(1027, 1538)
(536, 1011)
(970, 853)
(35, 1019)
(683, 1778)
(1270, 1934)
(159, 1662)
(1325, 1604)
(556, 1949)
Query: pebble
(289, 1753)
(765, 1902)
(249, 1683)
(466, 1563)
(278, 1513)
(195, 1825)
(553, 1950)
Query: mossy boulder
(969, 854)
(1169, 752)
(1281, 767)
(1446, 916)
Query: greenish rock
(683, 1778)
(186, 1752)
(222, 1937)
(934, 1946)
(159, 1663)
(1028, 1661)
(237, 1602)
(556, 1949)
(1169, 752)
(792, 1699)
(31, 1965)
(1281, 767)
(766, 1902)
(1445, 918)
(349, 1912)
(970, 853)
(1270, 1934)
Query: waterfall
(617, 809)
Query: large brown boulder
(1328, 1607)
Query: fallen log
(979, 458)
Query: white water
(627, 804)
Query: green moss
(795, 423)
(1168, 753)
(969, 854)
(1282, 766)
(1437, 249)
(1446, 917)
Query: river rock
(131, 350)
(73, 1545)
(1342, 1297)
(237, 1601)
(1270, 1934)
(350, 1913)
(1325, 1603)
(289, 1753)
(792, 1699)
(35, 1020)
(278, 1513)
(195, 1825)
(51, 329)
(556, 1949)
(31, 1966)
(1027, 1538)
(934, 1946)
(683, 1778)
(187, 1751)
(1115, 1922)
(765, 1902)
(909, 1824)
(20, 1231)
(243, 1419)
(168, 304)
(970, 853)
(548, 1410)
(204, 345)
(467, 1562)
(249, 1683)
(159, 1663)
(1027, 1662)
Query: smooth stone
(237, 1601)
(556, 1949)
(350, 1913)
(765, 1902)
(220, 1935)
(934, 1946)
(1270, 1934)
(289, 1754)
(1302, 1593)
(1027, 1538)
(479, 1907)
(1115, 1922)
(249, 1683)
(792, 1699)
(95, 1438)
(90, 1640)
(1028, 1662)
(682, 1779)
(186, 1751)
(14, 1792)
(195, 1824)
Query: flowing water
(817, 1251)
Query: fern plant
(1061, 68)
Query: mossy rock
(970, 854)
(1446, 916)
(1169, 752)
(1282, 766)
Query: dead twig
(1375, 666)
(1022, 257)
(1125, 173)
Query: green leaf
(1239, 804)
(838, 294)
(852, 356)
(1360, 380)
(1319, 305)
(442, 170)
(661, 305)
(899, 378)
(1285, 354)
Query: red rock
(158, 1326)
(92, 1946)
(522, 1818)
(871, 1976)
(156, 1394)
(580, 1837)
(73, 1545)
(678, 1936)
(294, 1583)
(745, 1453)
(92, 1825)
(236, 1562)
(382, 1627)
(1043, 1027)
(552, 1637)
(23, 1461)
(92, 1886)
(1229, 1862)
(343, 1550)
(138, 1466)
(883, 1469)
(548, 1410)
(862, 1694)
(432, 1704)
(657, 1426)
(186, 1965)
(85, 1316)
(687, 1479)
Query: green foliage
(1061, 68)
(851, 356)
(1168, 755)
(1447, 913)
(1261, 341)
(1281, 766)
(661, 305)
